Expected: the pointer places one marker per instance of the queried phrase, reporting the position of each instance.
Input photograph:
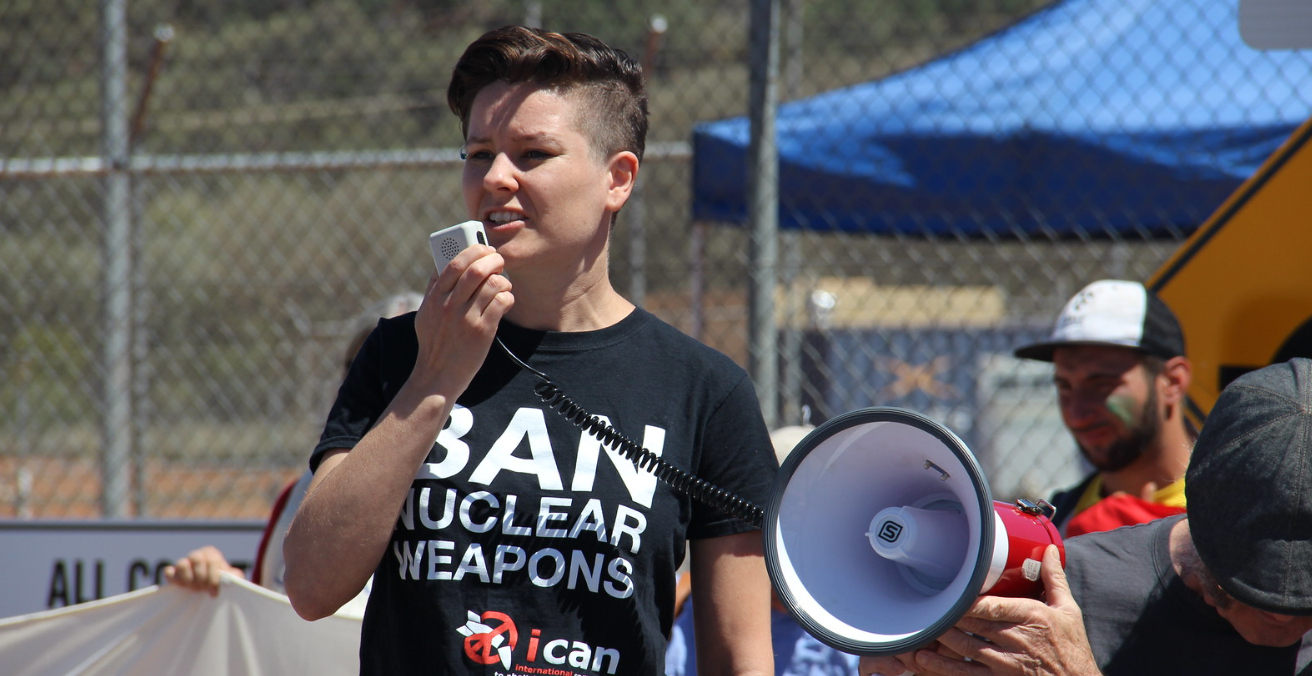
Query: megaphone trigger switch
(1030, 569)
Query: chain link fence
(202, 203)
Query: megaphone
(881, 531)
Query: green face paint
(1122, 407)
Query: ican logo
(492, 638)
(890, 531)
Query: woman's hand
(463, 305)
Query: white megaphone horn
(881, 532)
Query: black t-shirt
(524, 545)
(1141, 618)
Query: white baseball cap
(1113, 312)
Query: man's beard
(1142, 434)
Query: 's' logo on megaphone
(890, 531)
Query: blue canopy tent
(1091, 118)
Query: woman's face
(533, 179)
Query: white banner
(246, 631)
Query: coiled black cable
(691, 485)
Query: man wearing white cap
(1122, 376)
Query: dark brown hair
(609, 81)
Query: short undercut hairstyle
(608, 81)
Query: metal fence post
(763, 164)
(791, 265)
(118, 392)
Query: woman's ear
(623, 172)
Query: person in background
(1223, 589)
(203, 568)
(796, 653)
(1122, 377)
(500, 536)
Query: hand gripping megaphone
(881, 532)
